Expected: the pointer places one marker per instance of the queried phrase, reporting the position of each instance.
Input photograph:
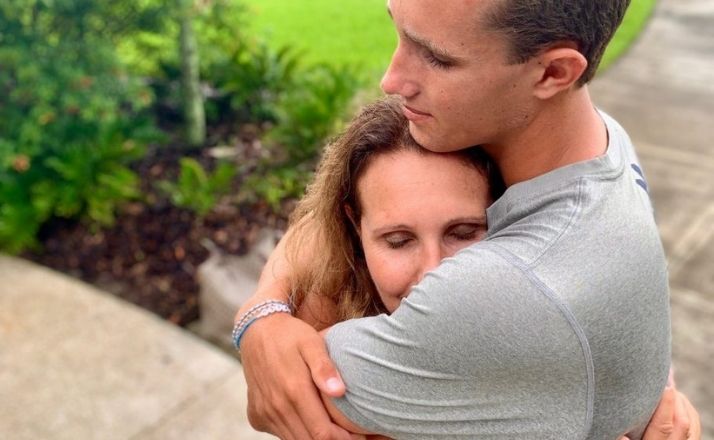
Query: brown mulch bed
(150, 256)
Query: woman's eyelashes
(397, 240)
(457, 233)
(467, 231)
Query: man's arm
(674, 419)
(453, 360)
(284, 360)
(284, 400)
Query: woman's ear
(560, 69)
(351, 216)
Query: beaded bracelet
(260, 310)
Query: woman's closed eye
(397, 240)
(466, 231)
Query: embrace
(478, 252)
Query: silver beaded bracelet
(260, 310)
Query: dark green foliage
(196, 189)
(274, 185)
(250, 82)
(71, 119)
(82, 80)
(155, 54)
(312, 110)
(84, 179)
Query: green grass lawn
(636, 18)
(360, 32)
(357, 32)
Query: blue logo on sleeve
(641, 181)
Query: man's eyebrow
(424, 43)
(430, 46)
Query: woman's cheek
(391, 275)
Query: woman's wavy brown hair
(335, 268)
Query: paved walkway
(662, 92)
(77, 363)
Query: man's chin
(421, 136)
(430, 140)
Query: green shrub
(196, 189)
(86, 179)
(218, 25)
(250, 82)
(71, 120)
(239, 73)
(245, 74)
(312, 110)
(276, 185)
(74, 114)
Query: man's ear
(560, 69)
(351, 216)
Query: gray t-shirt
(556, 326)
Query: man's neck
(562, 133)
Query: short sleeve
(479, 349)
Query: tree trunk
(193, 110)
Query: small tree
(192, 98)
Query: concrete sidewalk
(662, 92)
(78, 363)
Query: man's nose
(397, 80)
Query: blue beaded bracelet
(256, 312)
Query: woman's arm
(286, 365)
(319, 312)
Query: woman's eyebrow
(391, 228)
(478, 220)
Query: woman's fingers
(695, 423)
(661, 426)
(674, 419)
(323, 371)
(282, 398)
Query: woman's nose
(431, 257)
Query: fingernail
(334, 384)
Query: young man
(557, 325)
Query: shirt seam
(569, 316)
(573, 215)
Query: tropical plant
(307, 115)
(311, 111)
(71, 119)
(196, 189)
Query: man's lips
(415, 115)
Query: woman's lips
(415, 115)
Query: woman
(358, 273)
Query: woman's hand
(285, 362)
(674, 419)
